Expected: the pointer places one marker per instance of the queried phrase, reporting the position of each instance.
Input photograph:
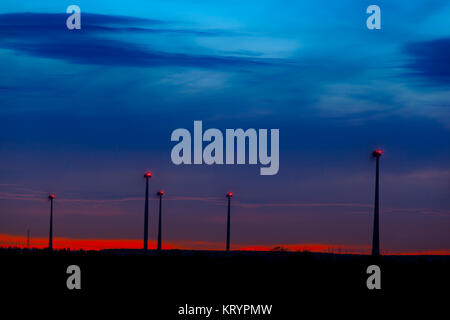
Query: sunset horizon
(212, 157)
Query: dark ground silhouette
(170, 278)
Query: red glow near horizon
(7, 240)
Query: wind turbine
(376, 230)
(147, 176)
(50, 236)
(229, 196)
(160, 194)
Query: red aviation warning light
(377, 153)
(148, 174)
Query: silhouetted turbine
(50, 235)
(376, 230)
(160, 194)
(147, 176)
(229, 195)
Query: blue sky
(96, 107)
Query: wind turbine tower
(147, 177)
(229, 196)
(376, 229)
(160, 194)
(50, 235)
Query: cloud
(430, 59)
(97, 43)
(58, 19)
(94, 23)
(24, 194)
(119, 53)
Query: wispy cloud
(430, 60)
(39, 196)
(32, 19)
(99, 43)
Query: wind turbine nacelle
(148, 175)
(377, 153)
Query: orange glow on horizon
(99, 244)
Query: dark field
(169, 279)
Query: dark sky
(84, 113)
